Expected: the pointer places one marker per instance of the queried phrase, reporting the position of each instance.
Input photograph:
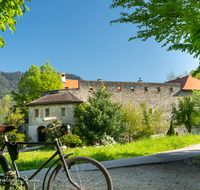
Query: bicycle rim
(86, 172)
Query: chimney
(140, 81)
(63, 77)
(99, 79)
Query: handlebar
(49, 129)
(49, 118)
(53, 126)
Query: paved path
(168, 156)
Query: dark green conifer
(171, 130)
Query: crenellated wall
(154, 94)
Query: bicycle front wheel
(84, 171)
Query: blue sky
(77, 38)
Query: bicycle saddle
(6, 128)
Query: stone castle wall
(153, 94)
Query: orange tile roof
(187, 83)
(70, 84)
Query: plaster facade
(36, 124)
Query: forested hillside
(9, 81)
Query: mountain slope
(9, 81)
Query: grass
(34, 159)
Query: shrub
(71, 140)
(143, 122)
(107, 140)
(171, 130)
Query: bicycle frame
(59, 152)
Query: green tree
(197, 75)
(5, 108)
(143, 122)
(9, 9)
(171, 130)
(100, 117)
(175, 23)
(196, 99)
(15, 118)
(185, 113)
(35, 81)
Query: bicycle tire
(11, 185)
(5, 169)
(86, 172)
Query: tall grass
(34, 159)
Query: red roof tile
(187, 83)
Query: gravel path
(177, 175)
(181, 175)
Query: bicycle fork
(65, 165)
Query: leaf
(26, 8)
(2, 27)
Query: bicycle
(71, 173)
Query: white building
(60, 105)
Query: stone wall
(153, 94)
(134, 91)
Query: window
(145, 89)
(105, 87)
(171, 89)
(91, 88)
(47, 112)
(36, 112)
(132, 89)
(63, 112)
(119, 88)
(158, 89)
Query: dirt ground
(181, 175)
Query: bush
(171, 130)
(107, 140)
(143, 122)
(71, 140)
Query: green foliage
(71, 140)
(143, 122)
(185, 113)
(171, 130)
(100, 117)
(20, 137)
(35, 81)
(8, 117)
(196, 99)
(4, 108)
(9, 9)
(15, 118)
(173, 22)
(197, 75)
